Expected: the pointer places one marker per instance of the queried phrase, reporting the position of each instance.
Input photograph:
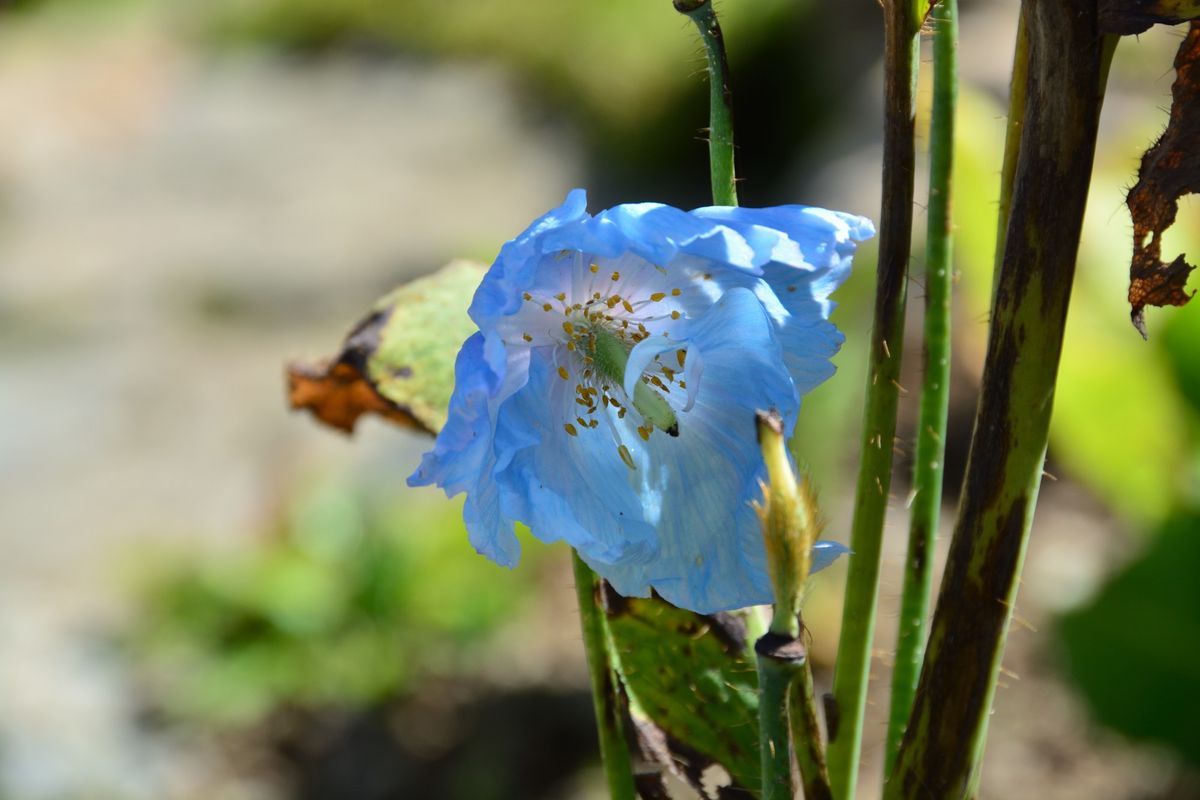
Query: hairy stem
(879, 424)
(720, 102)
(606, 694)
(942, 744)
(806, 737)
(774, 677)
(935, 390)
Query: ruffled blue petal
(499, 294)
(710, 555)
(570, 487)
(825, 552)
(456, 461)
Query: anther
(623, 451)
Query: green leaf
(1134, 652)
(398, 362)
(689, 675)
(426, 324)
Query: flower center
(609, 358)
(606, 311)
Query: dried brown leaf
(338, 392)
(1170, 169)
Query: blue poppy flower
(608, 398)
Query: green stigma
(609, 358)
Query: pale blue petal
(456, 461)
(825, 552)
(489, 531)
(710, 555)
(574, 488)
(500, 292)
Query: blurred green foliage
(1134, 651)
(618, 59)
(1117, 413)
(351, 601)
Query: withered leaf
(398, 362)
(692, 688)
(1135, 16)
(1170, 169)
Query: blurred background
(203, 596)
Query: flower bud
(788, 514)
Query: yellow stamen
(569, 428)
(562, 373)
(623, 451)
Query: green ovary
(609, 358)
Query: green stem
(935, 390)
(774, 677)
(1108, 49)
(610, 714)
(942, 745)
(720, 105)
(901, 56)
(1012, 138)
(806, 737)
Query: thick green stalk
(1108, 49)
(774, 677)
(787, 718)
(935, 390)
(720, 104)
(606, 694)
(942, 744)
(901, 56)
(806, 737)
(1012, 138)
